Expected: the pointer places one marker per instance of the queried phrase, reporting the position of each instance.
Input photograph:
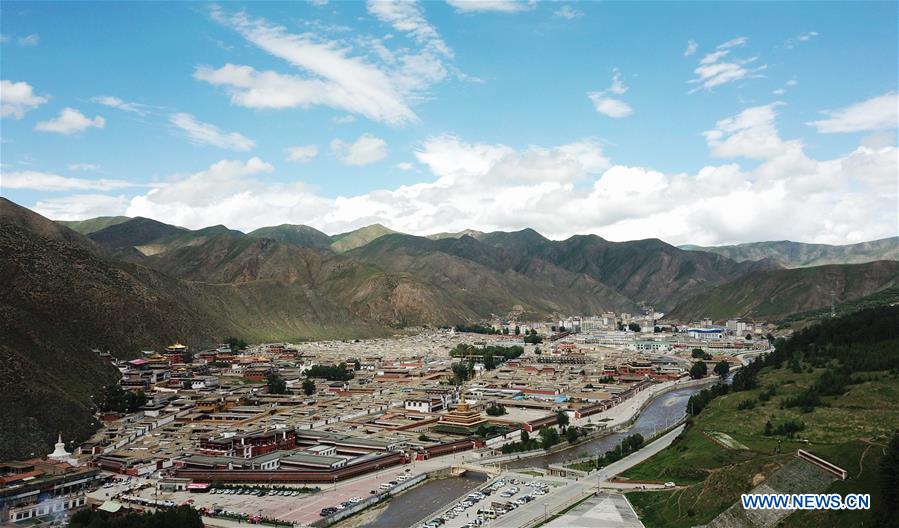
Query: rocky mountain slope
(299, 235)
(645, 271)
(774, 294)
(59, 299)
(489, 279)
(799, 255)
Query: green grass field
(857, 423)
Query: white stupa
(60, 454)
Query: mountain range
(800, 255)
(125, 284)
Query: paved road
(602, 476)
(606, 510)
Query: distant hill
(799, 255)
(775, 294)
(151, 237)
(300, 235)
(645, 271)
(358, 238)
(473, 233)
(91, 225)
(491, 280)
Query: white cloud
(83, 166)
(877, 113)
(70, 121)
(719, 67)
(879, 140)
(343, 120)
(380, 83)
(17, 98)
(572, 188)
(201, 133)
(115, 102)
(692, 46)
(302, 153)
(738, 42)
(364, 151)
(42, 181)
(610, 106)
(789, 84)
(567, 12)
(408, 17)
(81, 206)
(405, 166)
(798, 39)
(29, 40)
(501, 6)
(750, 134)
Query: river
(657, 416)
(423, 500)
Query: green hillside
(358, 238)
(776, 294)
(300, 235)
(837, 380)
(91, 225)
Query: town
(319, 431)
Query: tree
(423, 438)
(276, 384)
(517, 330)
(537, 351)
(180, 517)
(549, 437)
(722, 368)
(484, 430)
(633, 327)
(489, 362)
(236, 344)
(115, 399)
(562, 419)
(571, 434)
(525, 437)
(496, 410)
(698, 370)
(769, 429)
(505, 331)
(357, 365)
(308, 387)
(699, 353)
(461, 373)
(889, 481)
(749, 337)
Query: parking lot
(301, 508)
(490, 502)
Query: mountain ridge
(778, 293)
(800, 254)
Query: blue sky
(688, 121)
